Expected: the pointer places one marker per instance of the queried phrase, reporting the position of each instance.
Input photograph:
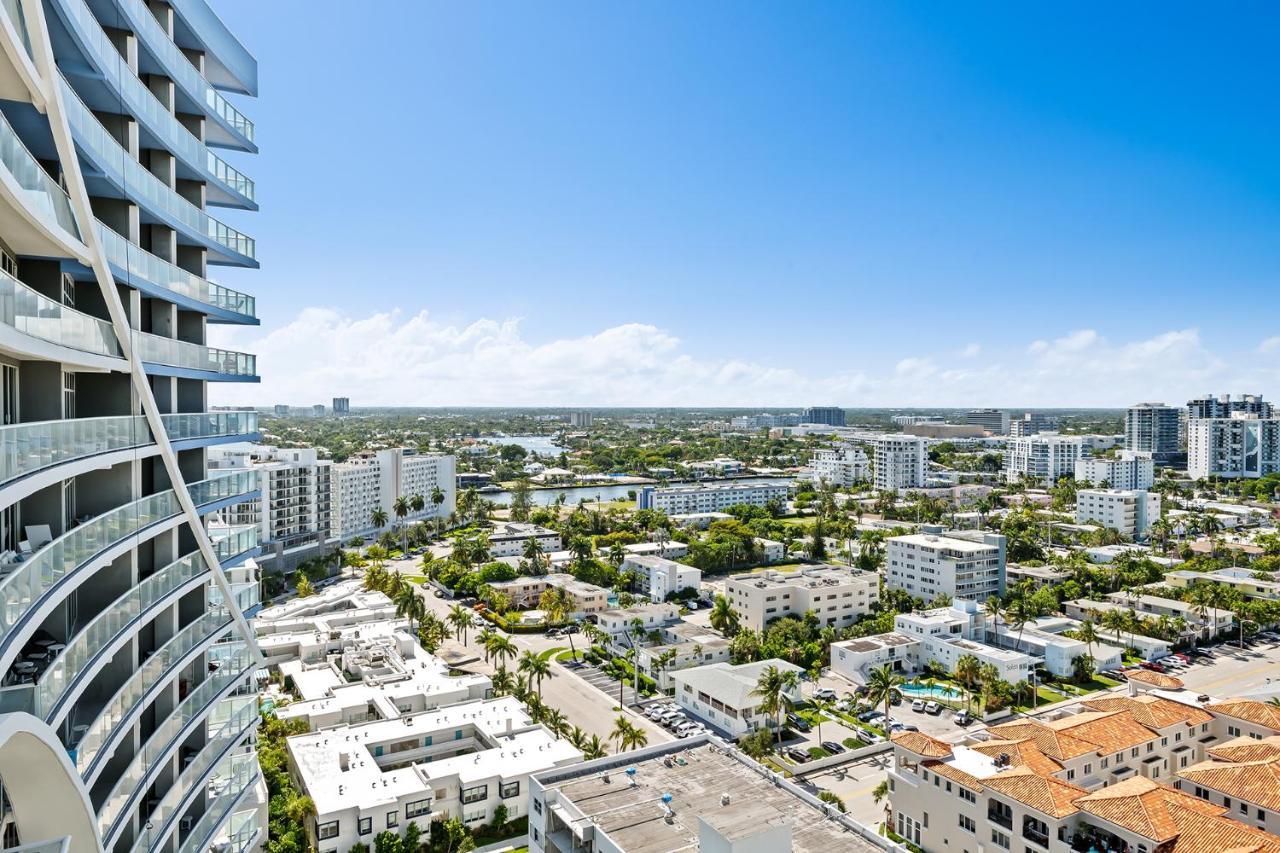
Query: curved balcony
(227, 790)
(180, 649)
(228, 64)
(29, 448)
(237, 130)
(37, 316)
(29, 583)
(227, 724)
(230, 187)
(135, 265)
(170, 355)
(244, 830)
(38, 194)
(130, 177)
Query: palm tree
(881, 792)
(534, 554)
(459, 619)
(378, 518)
(410, 606)
(627, 735)
(723, 617)
(502, 649)
(431, 631)
(967, 674)
(484, 640)
(503, 682)
(417, 503)
(535, 667)
(882, 685)
(593, 748)
(988, 678)
(556, 722)
(772, 689)
(1087, 634)
(400, 506)
(1115, 620)
(437, 498)
(1201, 597)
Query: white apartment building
(842, 467)
(672, 549)
(1044, 458)
(1130, 469)
(838, 595)
(721, 466)
(293, 515)
(525, 591)
(459, 761)
(958, 563)
(681, 645)
(723, 695)
(684, 500)
(1243, 446)
(510, 539)
(1128, 511)
(1215, 619)
(638, 619)
(373, 481)
(900, 462)
(658, 577)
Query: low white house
(723, 695)
(640, 618)
(509, 539)
(659, 577)
(771, 551)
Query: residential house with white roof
(723, 695)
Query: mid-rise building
(723, 695)
(994, 421)
(509, 539)
(900, 462)
(1226, 406)
(911, 420)
(1153, 428)
(966, 564)
(841, 467)
(658, 577)
(1128, 469)
(1244, 446)
(1042, 459)
(581, 420)
(1130, 512)
(685, 500)
(763, 420)
(373, 481)
(342, 405)
(280, 410)
(293, 514)
(525, 591)
(1031, 423)
(721, 466)
(829, 415)
(127, 661)
(837, 595)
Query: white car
(826, 694)
(917, 705)
(692, 605)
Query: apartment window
(968, 796)
(393, 819)
(966, 823)
(948, 787)
(457, 735)
(327, 830)
(1233, 731)
(537, 806)
(475, 793)
(1244, 808)
(1226, 801)
(416, 808)
(1071, 775)
(509, 790)
(1000, 838)
(365, 825)
(1088, 768)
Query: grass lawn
(555, 651)
(567, 654)
(818, 752)
(852, 743)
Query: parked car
(1203, 697)
(798, 722)
(797, 755)
(842, 706)
(826, 694)
(655, 711)
(832, 747)
(962, 718)
(1118, 674)
(692, 605)
(933, 708)
(917, 705)
(872, 717)
(1152, 666)
(570, 629)
(911, 727)
(685, 729)
(895, 727)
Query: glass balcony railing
(30, 581)
(247, 595)
(136, 261)
(31, 447)
(142, 103)
(13, 10)
(228, 787)
(230, 541)
(152, 672)
(42, 192)
(228, 723)
(143, 186)
(243, 828)
(175, 353)
(184, 74)
(40, 317)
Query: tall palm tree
(967, 674)
(771, 689)
(484, 640)
(417, 503)
(1115, 620)
(503, 682)
(437, 498)
(400, 506)
(459, 619)
(378, 518)
(431, 631)
(409, 605)
(882, 685)
(556, 722)
(535, 667)
(1201, 597)
(1088, 634)
(723, 617)
(503, 649)
(627, 735)
(534, 554)
(593, 748)
(988, 678)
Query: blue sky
(762, 203)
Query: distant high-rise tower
(581, 420)
(1225, 406)
(993, 421)
(827, 415)
(342, 405)
(1152, 428)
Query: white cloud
(1270, 345)
(392, 359)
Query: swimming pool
(919, 691)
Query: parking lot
(606, 683)
(673, 718)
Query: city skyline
(633, 210)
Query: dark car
(832, 747)
(797, 755)
(798, 722)
(895, 699)
(1152, 665)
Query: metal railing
(136, 261)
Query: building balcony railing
(139, 263)
(227, 724)
(43, 193)
(35, 314)
(153, 671)
(242, 831)
(141, 102)
(27, 583)
(180, 69)
(171, 352)
(226, 790)
(1001, 819)
(30, 447)
(144, 187)
(13, 11)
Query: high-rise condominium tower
(127, 715)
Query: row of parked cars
(670, 717)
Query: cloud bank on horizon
(393, 359)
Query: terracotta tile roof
(1202, 833)
(1256, 782)
(1112, 732)
(1045, 794)
(1057, 745)
(1245, 748)
(1140, 805)
(1079, 734)
(1249, 710)
(1155, 679)
(1022, 753)
(947, 770)
(921, 744)
(1155, 712)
